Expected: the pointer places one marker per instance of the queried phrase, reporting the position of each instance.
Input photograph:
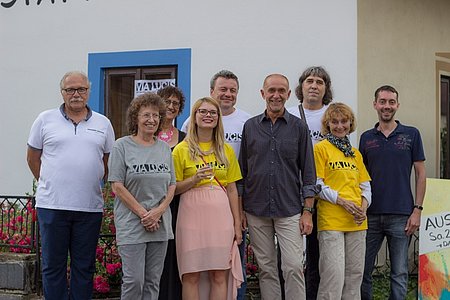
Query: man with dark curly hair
(314, 93)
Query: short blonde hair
(334, 110)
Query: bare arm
(419, 169)
(420, 174)
(235, 211)
(34, 161)
(105, 163)
(128, 199)
(153, 215)
(243, 216)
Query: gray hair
(76, 73)
(225, 74)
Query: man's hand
(413, 222)
(306, 224)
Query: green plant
(381, 286)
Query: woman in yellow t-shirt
(342, 206)
(208, 226)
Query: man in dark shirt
(390, 150)
(277, 165)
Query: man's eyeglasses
(205, 112)
(175, 104)
(150, 116)
(81, 90)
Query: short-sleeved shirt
(389, 161)
(146, 172)
(313, 119)
(277, 163)
(185, 167)
(72, 166)
(344, 175)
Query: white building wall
(39, 43)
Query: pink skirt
(205, 238)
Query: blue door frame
(98, 62)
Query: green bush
(381, 286)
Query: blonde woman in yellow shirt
(208, 226)
(342, 206)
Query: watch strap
(310, 209)
(419, 207)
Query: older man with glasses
(68, 149)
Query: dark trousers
(63, 232)
(312, 277)
(242, 249)
(170, 287)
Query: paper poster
(434, 242)
(145, 86)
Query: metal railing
(20, 234)
(19, 230)
(18, 224)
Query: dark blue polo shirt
(389, 162)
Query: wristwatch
(419, 207)
(310, 209)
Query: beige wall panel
(397, 44)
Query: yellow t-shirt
(185, 167)
(342, 174)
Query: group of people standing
(185, 198)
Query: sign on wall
(145, 86)
(11, 3)
(434, 242)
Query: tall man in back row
(68, 150)
(390, 150)
(314, 94)
(277, 165)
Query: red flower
(112, 269)
(99, 254)
(33, 215)
(101, 284)
(112, 228)
(251, 269)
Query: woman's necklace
(166, 136)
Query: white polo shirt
(72, 159)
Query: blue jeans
(242, 249)
(63, 232)
(393, 228)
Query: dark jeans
(242, 249)
(393, 228)
(63, 232)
